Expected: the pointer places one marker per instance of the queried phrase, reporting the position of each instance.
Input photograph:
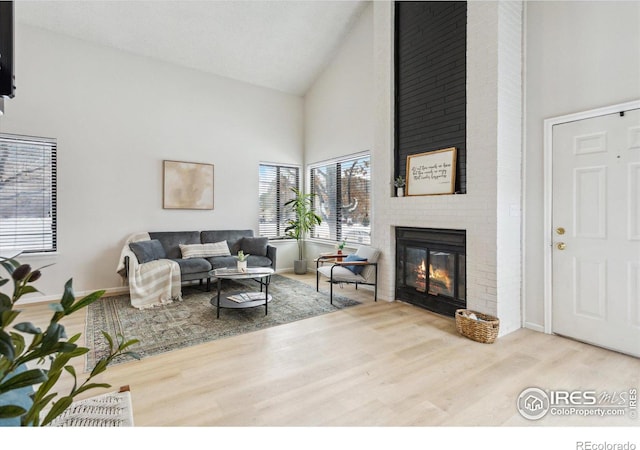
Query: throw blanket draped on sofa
(153, 283)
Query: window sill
(280, 241)
(13, 255)
(348, 245)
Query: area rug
(193, 320)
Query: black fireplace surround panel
(431, 268)
(431, 82)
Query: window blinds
(276, 182)
(343, 197)
(27, 195)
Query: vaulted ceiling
(282, 45)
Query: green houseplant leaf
(31, 344)
(24, 379)
(305, 218)
(11, 411)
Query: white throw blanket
(152, 283)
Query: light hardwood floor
(376, 364)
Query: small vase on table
(242, 261)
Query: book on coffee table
(247, 297)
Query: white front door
(596, 231)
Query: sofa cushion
(171, 241)
(259, 261)
(204, 250)
(220, 262)
(193, 265)
(233, 238)
(254, 245)
(147, 251)
(355, 269)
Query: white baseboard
(534, 327)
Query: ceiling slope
(282, 45)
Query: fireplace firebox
(431, 268)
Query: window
(343, 199)
(27, 194)
(276, 182)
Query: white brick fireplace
(490, 210)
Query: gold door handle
(561, 245)
(560, 230)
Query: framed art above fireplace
(432, 173)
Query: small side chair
(358, 268)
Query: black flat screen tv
(7, 78)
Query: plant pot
(339, 258)
(300, 266)
(400, 191)
(242, 266)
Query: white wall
(338, 118)
(116, 117)
(579, 56)
(339, 106)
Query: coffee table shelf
(260, 274)
(226, 302)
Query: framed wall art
(431, 173)
(187, 185)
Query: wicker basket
(484, 330)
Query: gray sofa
(166, 245)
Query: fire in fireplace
(431, 268)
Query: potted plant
(297, 228)
(242, 261)
(399, 183)
(32, 360)
(340, 248)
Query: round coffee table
(243, 299)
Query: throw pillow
(147, 251)
(205, 250)
(355, 269)
(256, 246)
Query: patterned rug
(193, 320)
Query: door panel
(634, 293)
(590, 203)
(596, 227)
(634, 201)
(590, 295)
